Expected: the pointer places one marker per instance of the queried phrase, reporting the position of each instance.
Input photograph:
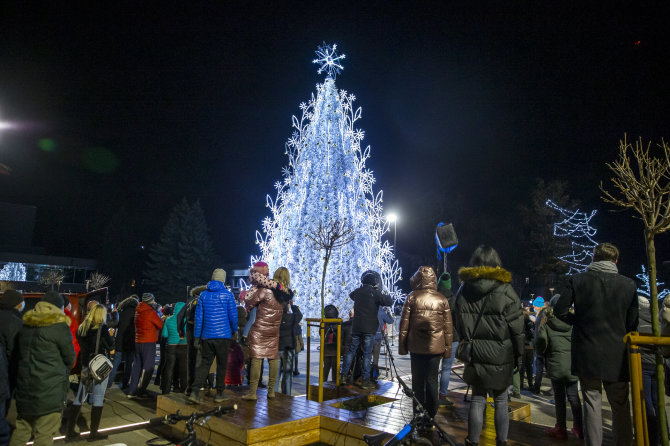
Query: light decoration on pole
(645, 289)
(325, 181)
(577, 226)
(15, 272)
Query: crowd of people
(215, 340)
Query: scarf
(603, 266)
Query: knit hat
(220, 275)
(538, 302)
(148, 297)
(53, 298)
(10, 299)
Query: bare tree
(645, 188)
(330, 236)
(52, 279)
(99, 280)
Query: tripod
(422, 419)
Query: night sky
(464, 106)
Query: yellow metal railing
(321, 324)
(634, 340)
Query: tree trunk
(655, 325)
(323, 280)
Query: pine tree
(326, 181)
(184, 255)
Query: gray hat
(53, 298)
(148, 297)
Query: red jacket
(74, 325)
(147, 324)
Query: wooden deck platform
(297, 421)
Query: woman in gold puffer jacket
(425, 332)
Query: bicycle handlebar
(174, 418)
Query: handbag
(100, 366)
(464, 349)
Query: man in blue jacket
(215, 324)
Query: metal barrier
(634, 340)
(320, 323)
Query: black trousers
(425, 380)
(210, 349)
(328, 365)
(527, 368)
(175, 362)
(191, 355)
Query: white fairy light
(576, 226)
(645, 289)
(329, 60)
(326, 179)
(15, 272)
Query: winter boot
(272, 378)
(577, 431)
(195, 397)
(96, 415)
(501, 443)
(71, 420)
(254, 375)
(557, 432)
(470, 443)
(220, 397)
(367, 385)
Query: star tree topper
(329, 60)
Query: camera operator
(367, 300)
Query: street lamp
(393, 218)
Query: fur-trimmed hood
(481, 280)
(195, 291)
(467, 274)
(45, 315)
(131, 301)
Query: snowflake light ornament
(329, 60)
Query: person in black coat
(291, 317)
(125, 340)
(488, 313)
(606, 308)
(11, 305)
(5, 429)
(367, 300)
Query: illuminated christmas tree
(644, 290)
(326, 181)
(576, 225)
(15, 272)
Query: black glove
(517, 365)
(243, 340)
(196, 342)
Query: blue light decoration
(329, 60)
(576, 225)
(15, 272)
(325, 180)
(645, 289)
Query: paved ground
(120, 411)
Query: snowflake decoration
(329, 60)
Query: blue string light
(645, 289)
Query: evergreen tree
(183, 256)
(326, 181)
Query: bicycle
(191, 437)
(410, 433)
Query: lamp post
(393, 218)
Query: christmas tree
(645, 289)
(326, 183)
(184, 255)
(576, 225)
(15, 272)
